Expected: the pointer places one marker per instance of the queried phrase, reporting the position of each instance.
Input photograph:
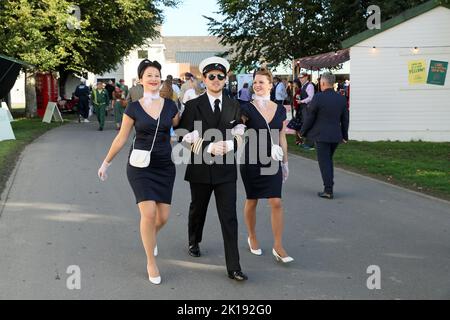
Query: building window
(142, 54)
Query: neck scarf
(149, 97)
(262, 101)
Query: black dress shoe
(237, 275)
(194, 251)
(326, 195)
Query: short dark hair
(147, 64)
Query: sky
(187, 20)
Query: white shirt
(230, 143)
(280, 92)
(213, 99)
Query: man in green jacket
(100, 100)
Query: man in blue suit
(327, 124)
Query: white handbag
(277, 152)
(141, 158)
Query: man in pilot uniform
(211, 169)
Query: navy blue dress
(154, 183)
(257, 185)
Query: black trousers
(226, 207)
(325, 152)
(83, 107)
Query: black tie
(217, 110)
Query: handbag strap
(156, 132)
(270, 133)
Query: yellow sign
(417, 72)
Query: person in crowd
(193, 92)
(290, 92)
(227, 92)
(267, 119)
(327, 125)
(295, 100)
(175, 87)
(100, 101)
(82, 93)
(152, 118)
(136, 92)
(186, 85)
(110, 87)
(123, 88)
(119, 104)
(167, 92)
(210, 169)
(245, 95)
(278, 93)
(306, 95)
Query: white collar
(213, 99)
(261, 98)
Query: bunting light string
(408, 47)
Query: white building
(177, 55)
(384, 104)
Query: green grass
(25, 130)
(419, 166)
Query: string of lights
(390, 47)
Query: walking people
(306, 95)
(327, 124)
(82, 93)
(119, 104)
(209, 171)
(100, 101)
(152, 183)
(136, 92)
(267, 119)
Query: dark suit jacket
(327, 119)
(200, 110)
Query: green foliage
(37, 31)
(275, 31)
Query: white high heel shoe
(279, 258)
(156, 280)
(155, 251)
(257, 252)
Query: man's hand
(191, 137)
(238, 130)
(344, 141)
(219, 148)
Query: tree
(276, 31)
(37, 32)
(268, 30)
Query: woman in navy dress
(152, 186)
(264, 181)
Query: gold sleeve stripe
(197, 146)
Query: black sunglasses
(212, 77)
